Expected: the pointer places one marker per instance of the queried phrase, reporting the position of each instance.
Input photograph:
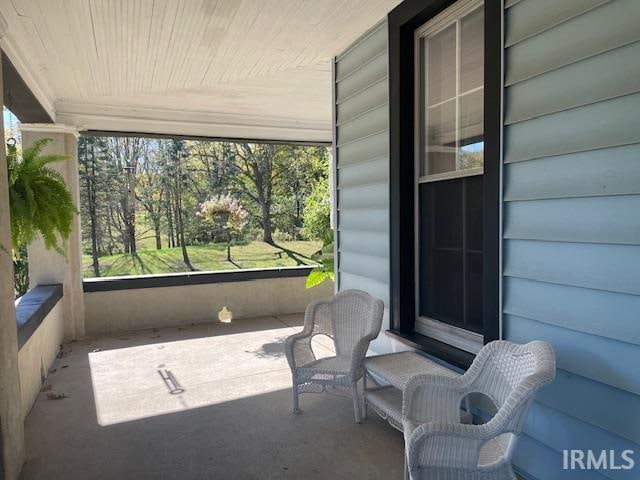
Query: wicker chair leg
(364, 397)
(356, 401)
(406, 470)
(296, 406)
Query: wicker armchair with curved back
(352, 319)
(439, 446)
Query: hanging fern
(39, 200)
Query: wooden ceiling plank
(262, 58)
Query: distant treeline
(141, 193)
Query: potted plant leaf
(39, 200)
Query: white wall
(134, 309)
(48, 266)
(38, 354)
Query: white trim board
(88, 116)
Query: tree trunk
(266, 223)
(94, 244)
(132, 235)
(110, 234)
(185, 256)
(170, 238)
(179, 219)
(156, 228)
(130, 209)
(177, 214)
(91, 195)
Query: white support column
(48, 266)
(11, 424)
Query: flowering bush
(225, 212)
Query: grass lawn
(206, 257)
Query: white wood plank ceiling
(242, 68)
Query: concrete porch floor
(232, 420)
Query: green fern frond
(40, 202)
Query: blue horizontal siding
(536, 461)
(571, 433)
(605, 124)
(598, 78)
(614, 268)
(607, 314)
(607, 171)
(593, 402)
(607, 361)
(597, 31)
(571, 250)
(590, 219)
(528, 19)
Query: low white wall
(115, 311)
(38, 354)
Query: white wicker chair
(438, 446)
(351, 318)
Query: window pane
(441, 138)
(473, 252)
(473, 292)
(451, 140)
(451, 251)
(441, 66)
(472, 50)
(471, 130)
(473, 213)
(441, 251)
(453, 97)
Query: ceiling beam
(27, 97)
(18, 97)
(108, 133)
(201, 124)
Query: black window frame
(402, 22)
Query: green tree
(317, 224)
(317, 213)
(306, 165)
(259, 167)
(177, 153)
(20, 271)
(150, 192)
(125, 154)
(93, 171)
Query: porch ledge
(33, 307)
(106, 284)
(443, 351)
